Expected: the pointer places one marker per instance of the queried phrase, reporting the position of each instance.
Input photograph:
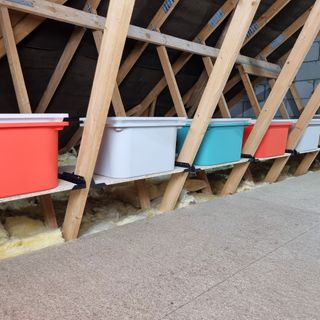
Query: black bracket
(80, 182)
(248, 156)
(294, 152)
(189, 168)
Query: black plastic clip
(80, 182)
(189, 168)
(294, 152)
(248, 156)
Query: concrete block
(260, 91)
(248, 112)
(305, 88)
(313, 54)
(309, 71)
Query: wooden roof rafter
(214, 22)
(254, 30)
(291, 67)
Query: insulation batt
(108, 208)
(21, 235)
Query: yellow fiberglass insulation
(22, 235)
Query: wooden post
(250, 91)
(143, 194)
(49, 214)
(14, 62)
(235, 36)
(296, 134)
(281, 87)
(113, 41)
(306, 163)
(172, 82)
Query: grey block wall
(306, 81)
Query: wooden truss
(294, 61)
(202, 100)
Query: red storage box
(274, 141)
(29, 157)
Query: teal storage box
(222, 142)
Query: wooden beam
(25, 26)
(264, 19)
(235, 36)
(91, 21)
(143, 194)
(202, 175)
(296, 133)
(64, 62)
(198, 88)
(255, 82)
(14, 62)
(254, 29)
(117, 102)
(250, 91)
(61, 68)
(120, 111)
(222, 104)
(306, 163)
(296, 97)
(293, 89)
(214, 22)
(49, 214)
(197, 91)
(15, 18)
(74, 141)
(258, 72)
(283, 109)
(285, 35)
(113, 41)
(280, 89)
(172, 82)
(156, 23)
(274, 45)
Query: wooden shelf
(63, 186)
(273, 158)
(309, 151)
(98, 180)
(108, 181)
(222, 165)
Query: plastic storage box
(221, 143)
(29, 157)
(138, 146)
(274, 141)
(311, 137)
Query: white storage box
(138, 146)
(310, 139)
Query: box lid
(32, 117)
(143, 122)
